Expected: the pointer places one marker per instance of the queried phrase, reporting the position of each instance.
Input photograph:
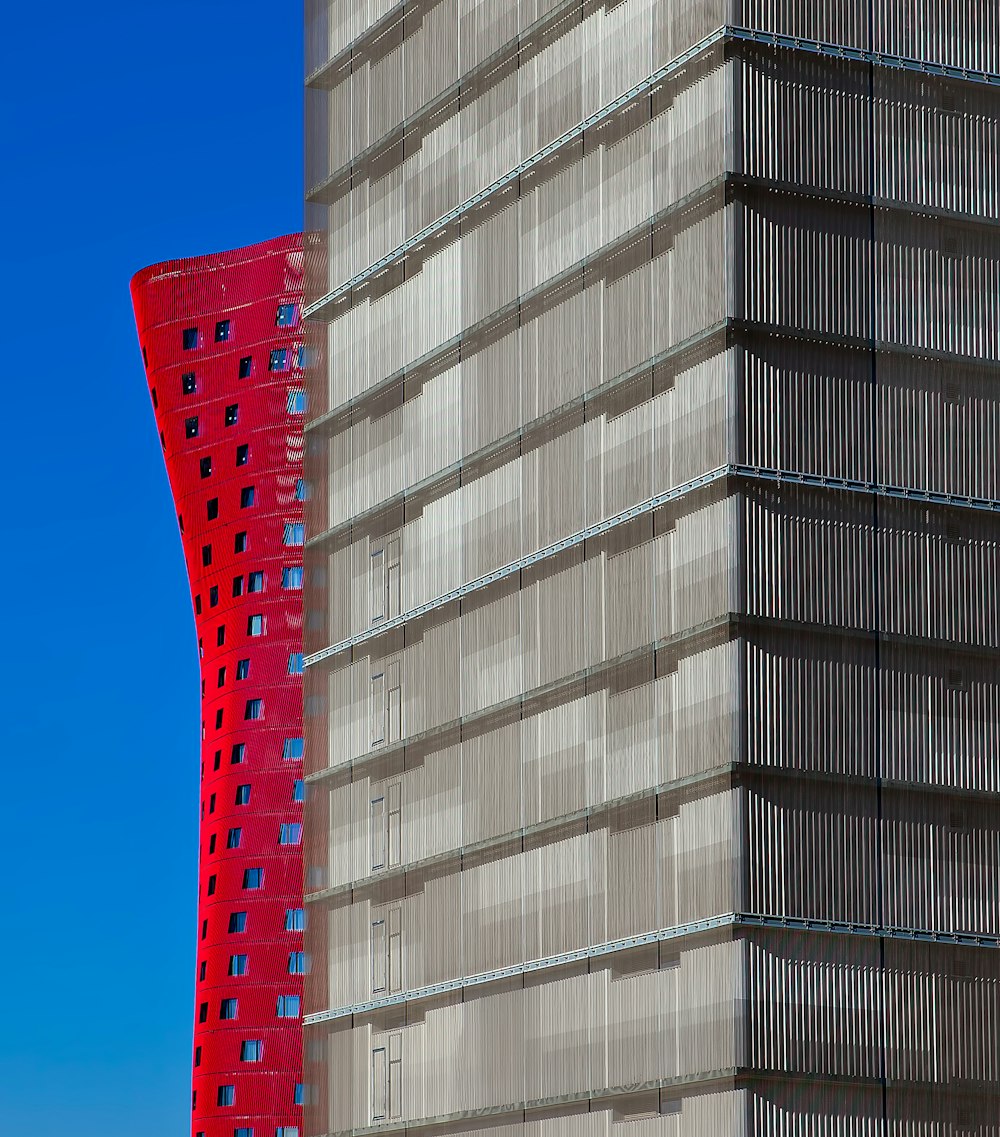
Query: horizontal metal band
(750, 473)
(660, 935)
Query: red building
(221, 344)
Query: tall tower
(220, 339)
(652, 607)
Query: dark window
(206, 555)
(246, 366)
(242, 454)
(222, 677)
(218, 719)
(211, 844)
(253, 878)
(197, 1050)
(237, 586)
(211, 804)
(246, 497)
(240, 544)
(279, 359)
(197, 604)
(191, 427)
(228, 1008)
(227, 1095)
(220, 635)
(206, 467)
(242, 795)
(180, 521)
(286, 316)
(238, 754)
(232, 414)
(222, 331)
(163, 441)
(237, 922)
(253, 710)
(217, 761)
(233, 838)
(145, 358)
(204, 928)
(203, 1013)
(213, 508)
(242, 668)
(188, 383)
(213, 596)
(156, 401)
(189, 338)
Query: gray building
(652, 610)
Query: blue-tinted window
(295, 533)
(246, 366)
(289, 1006)
(279, 359)
(242, 795)
(298, 790)
(291, 577)
(189, 338)
(286, 316)
(300, 490)
(229, 1008)
(246, 497)
(296, 963)
(290, 833)
(222, 331)
(227, 1095)
(253, 878)
(295, 919)
(237, 922)
(238, 753)
(234, 837)
(243, 1131)
(299, 1094)
(255, 582)
(242, 668)
(189, 384)
(251, 1050)
(293, 748)
(287, 1131)
(191, 427)
(255, 626)
(253, 710)
(296, 402)
(296, 663)
(237, 965)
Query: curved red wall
(245, 287)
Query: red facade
(220, 339)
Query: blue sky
(129, 133)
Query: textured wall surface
(652, 607)
(220, 337)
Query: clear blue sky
(130, 133)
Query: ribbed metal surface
(653, 539)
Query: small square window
(255, 582)
(291, 577)
(237, 922)
(238, 965)
(246, 497)
(300, 490)
(253, 878)
(240, 544)
(246, 366)
(233, 838)
(212, 508)
(296, 663)
(286, 316)
(293, 748)
(220, 635)
(251, 1050)
(298, 790)
(290, 833)
(227, 1095)
(278, 360)
(254, 709)
(189, 384)
(242, 454)
(295, 919)
(238, 754)
(228, 1008)
(232, 414)
(211, 885)
(205, 465)
(213, 596)
(222, 331)
(237, 586)
(191, 427)
(289, 1006)
(242, 795)
(221, 677)
(242, 668)
(295, 533)
(189, 339)
(206, 555)
(296, 402)
(255, 626)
